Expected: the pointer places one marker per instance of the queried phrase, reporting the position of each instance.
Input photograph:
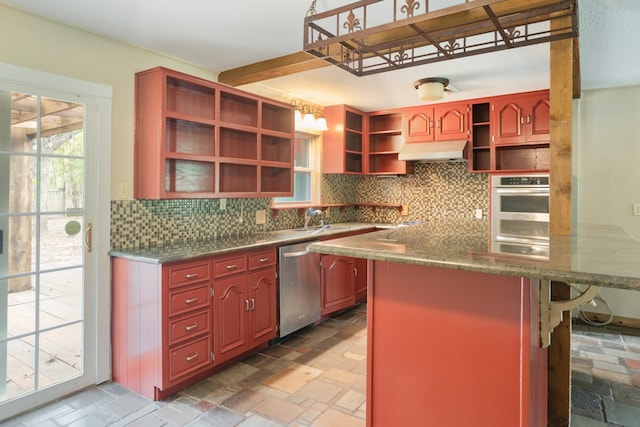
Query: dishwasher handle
(295, 254)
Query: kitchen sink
(322, 228)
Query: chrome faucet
(310, 213)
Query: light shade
(431, 88)
(321, 124)
(308, 121)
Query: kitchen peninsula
(454, 330)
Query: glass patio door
(45, 239)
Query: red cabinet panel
(186, 327)
(338, 289)
(441, 122)
(188, 273)
(522, 118)
(188, 300)
(438, 337)
(262, 312)
(244, 305)
(230, 305)
(189, 358)
(343, 145)
(229, 265)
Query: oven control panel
(524, 181)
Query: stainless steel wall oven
(520, 214)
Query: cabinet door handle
(253, 304)
(232, 266)
(191, 327)
(264, 259)
(246, 305)
(191, 276)
(194, 356)
(355, 271)
(191, 301)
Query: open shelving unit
(197, 139)
(385, 139)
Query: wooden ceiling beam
(272, 68)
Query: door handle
(87, 237)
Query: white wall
(33, 42)
(607, 164)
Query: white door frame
(98, 160)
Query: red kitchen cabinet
(161, 325)
(361, 279)
(343, 145)
(338, 283)
(438, 337)
(385, 138)
(510, 133)
(522, 118)
(244, 304)
(174, 324)
(200, 139)
(442, 122)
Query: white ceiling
(221, 35)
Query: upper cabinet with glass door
(200, 139)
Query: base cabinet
(174, 324)
(244, 307)
(440, 340)
(338, 283)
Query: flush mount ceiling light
(431, 88)
(373, 36)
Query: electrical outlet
(223, 204)
(261, 216)
(636, 209)
(478, 213)
(327, 213)
(405, 209)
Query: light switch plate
(405, 209)
(636, 209)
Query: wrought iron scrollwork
(409, 7)
(352, 23)
(451, 46)
(401, 56)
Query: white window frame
(315, 168)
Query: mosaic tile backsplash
(435, 190)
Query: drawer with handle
(184, 328)
(189, 358)
(189, 299)
(262, 259)
(231, 265)
(187, 273)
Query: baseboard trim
(627, 322)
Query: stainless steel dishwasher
(299, 277)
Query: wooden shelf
(301, 209)
(209, 140)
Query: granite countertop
(227, 244)
(595, 255)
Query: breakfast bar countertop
(594, 255)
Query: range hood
(443, 151)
